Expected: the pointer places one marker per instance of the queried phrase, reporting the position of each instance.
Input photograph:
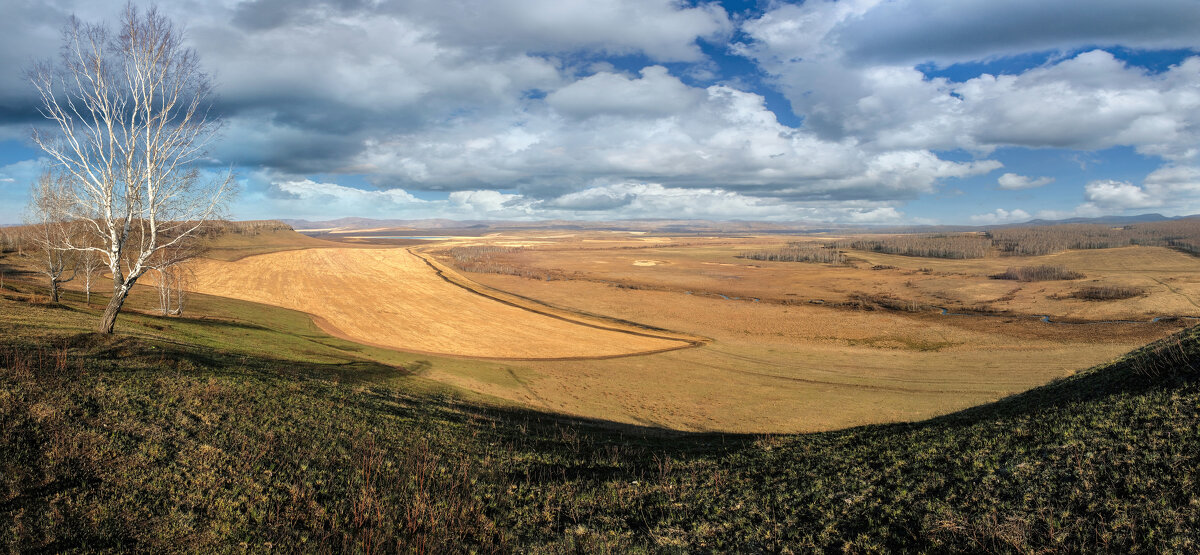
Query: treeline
(1183, 235)
(492, 260)
(250, 228)
(14, 239)
(17, 238)
(799, 252)
(964, 245)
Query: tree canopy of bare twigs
(130, 123)
(50, 233)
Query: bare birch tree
(172, 288)
(132, 122)
(50, 233)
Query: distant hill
(690, 226)
(651, 225)
(1106, 220)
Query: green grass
(224, 434)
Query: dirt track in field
(393, 298)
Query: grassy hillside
(213, 434)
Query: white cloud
(1118, 195)
(1001, 216)
(655, 94)
(1012, 181)
(320, 201)
(655, 128)
(815, 53)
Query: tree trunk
(114, 307)
(53, 290)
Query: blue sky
(856, 111)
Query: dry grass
(783, 363)
(392, 298)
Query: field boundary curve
(483, 291)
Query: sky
(856, 111)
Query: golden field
(393, 298)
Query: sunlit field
(747, 345)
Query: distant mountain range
(351, 225)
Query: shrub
(1039, 273)
(1107, 292)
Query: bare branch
(131, 111)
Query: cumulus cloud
(664, 30)
(1012, 181)
(1001, 216)
(680, 135)
(319, 201)
(1118, 195)
(814, 52)
(655, 94)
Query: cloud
(1118, 195)
(1001, 216)
(1013, 182)
(544, 100)
(655, 94)
(663, 30)
(818, 54)
(658, 130)
(914, 31)
(276, 197)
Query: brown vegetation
(251, 228)
(1181, 234)
(1042, 272)
(13, 239)
(1107, 292)
(799, 252)
(966, 245)
(492, 259)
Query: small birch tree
(50, 233)
(131, 122)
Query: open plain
(723, 343)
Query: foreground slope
(393, 298)
(156, 444)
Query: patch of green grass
(224, 434)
